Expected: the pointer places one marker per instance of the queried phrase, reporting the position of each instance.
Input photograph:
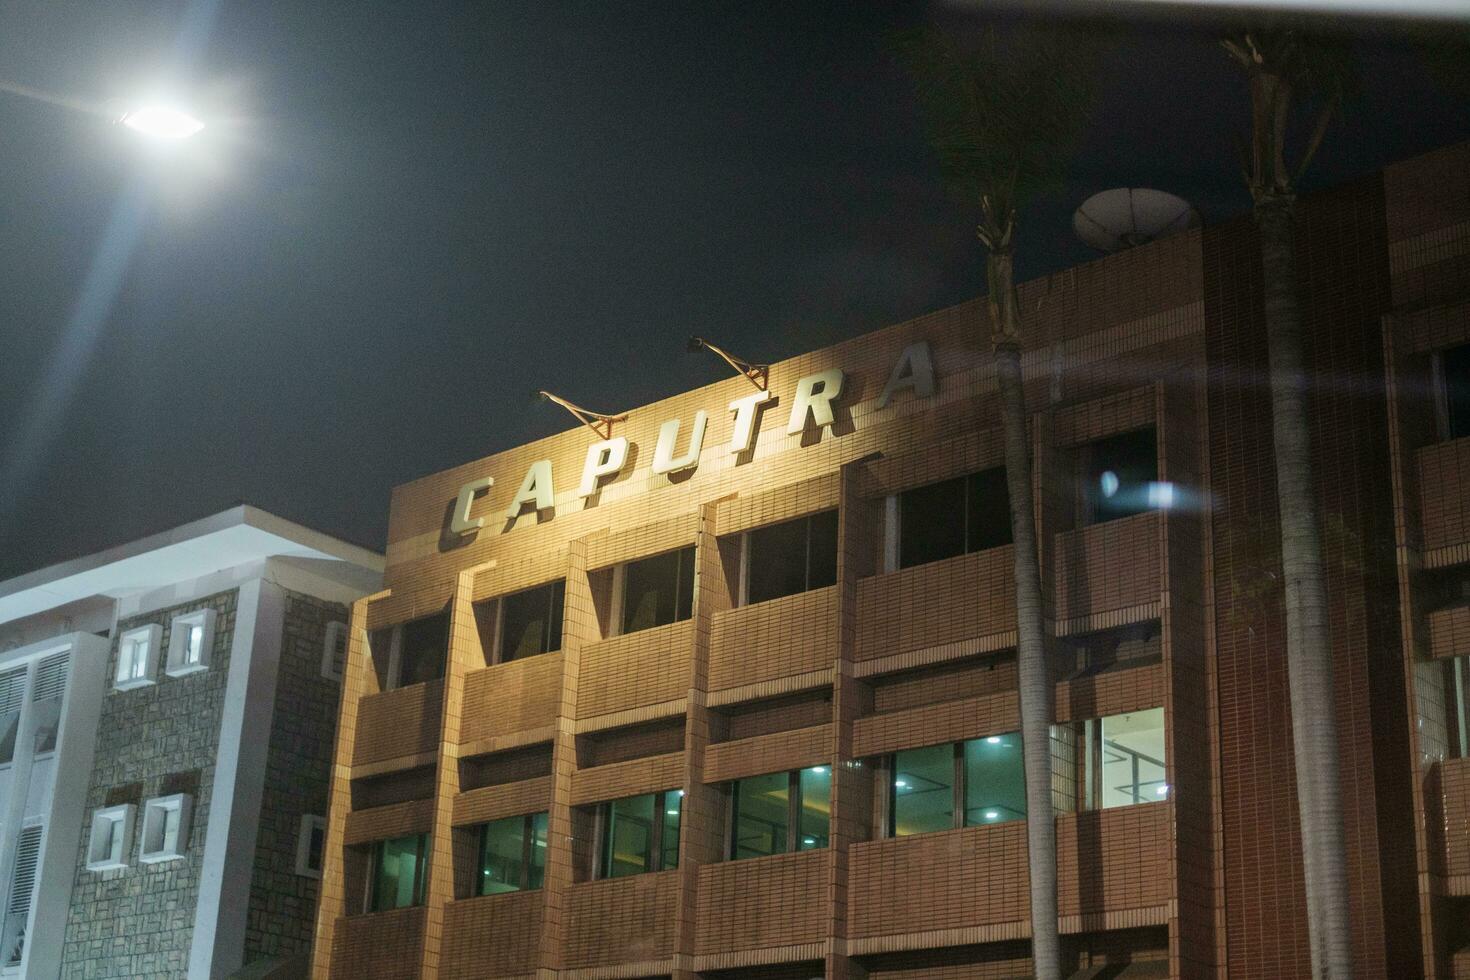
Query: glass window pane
(923, 790)
(815, 814)
(931, 523)
(502, 845)
(1119, 471)
(822, 556)
(761, 815)
(1132, 766)
(673, 810)
(658, 590)
(995, 780)
(629, 836)
(9, 724)
(531, 622)
(1455, 363)
(988, 519)
(193, 644)
(777, 564)
(396, 873)
(423, 649)
(538, 849)
(47, 713)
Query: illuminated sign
(811, 405)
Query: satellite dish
(1126, 216)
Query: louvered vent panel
(51, 677)
(12, 690)
(23, 883)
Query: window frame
(330, 634)
(893, 523)
(1085, 461)
(497, 655)
(1440, 382)
(157, 809)
(21, 699)
(528, 851)
(178, 632)
(1089, 762)
(420, 886)
(618, 605)
(655, 856)
(743, 596)
(152, 634)
(121, 819)
(794, 797)
(959, 786)
(309, 824)
(393, 679)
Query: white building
(166, 713)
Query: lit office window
(1454, 367)
(640, 834)
(658, 590)
(423, 649)
(954, 517)
(399, 868)
(1124, 761)
(792, 557)
(962, 784)
(781, 812)
(1120, 476)
(530, 621)
(512, 854)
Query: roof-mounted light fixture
(591, 420)
(756, 374)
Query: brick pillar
(563, 847)
(858, 541)
(359, 679)
(464, 650)
(702, 822)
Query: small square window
(311, 844)
(189, 642)
(137, 657)
(112, 830)
(166, 828)
(334, 651)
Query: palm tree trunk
(1035, 679)
(1308, 646)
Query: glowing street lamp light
(161, 122)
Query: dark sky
(404, 217)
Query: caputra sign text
(811, 405)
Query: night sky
(403, 218)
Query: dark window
(422, 650)
(1121, 476)
(792, 557)
(640, 834)
(316, 844)
(658, 590)
(399, 868)
(530, 621)
(781, 812)
(963, 784)
(954, 517)
(1455, 363)
(512, 854)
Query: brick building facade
(628, 708)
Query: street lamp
(161, 122)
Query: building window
(137, 657)
(189, 642)
(795, 556)
(964, 784)
(311, 845)
(512, 854)
(46, 696)
(12, 699)
(530, 621)
(1452, 368)
(640, 834)
(954, 517)
(334, 651)
(418, 650)
(657, 591)
(399, 869)
(1122, 760)
(166, 822)
(1120, 477)
(22, 893)
(112, 830)
(781, 812)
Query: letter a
(914, 370)
(535, 489)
